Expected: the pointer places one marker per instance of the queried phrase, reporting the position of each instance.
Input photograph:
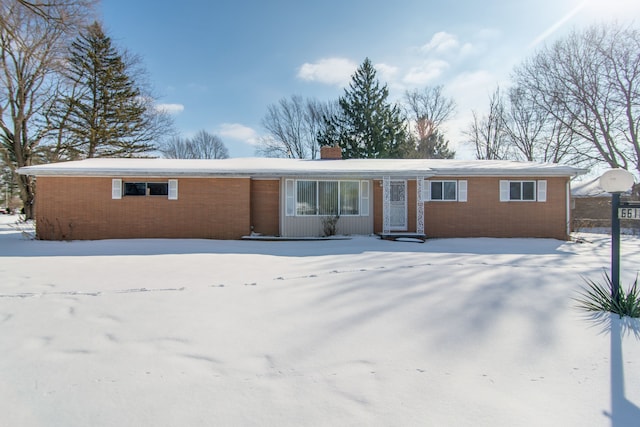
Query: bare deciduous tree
(487, 133)
(427, 110)
(202, 146)
(588, 82)
(32, 48)
(208, 146)
(292, 127)
(534, 134)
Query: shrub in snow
(329, 225)
(596, 296)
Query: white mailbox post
(616, 181)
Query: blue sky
(217, 65)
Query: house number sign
(629, 213)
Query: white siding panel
(311, 226)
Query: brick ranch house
(233, 198)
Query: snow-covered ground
(452, 332)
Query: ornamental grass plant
(597, 296)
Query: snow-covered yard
(452, 332)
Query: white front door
(398, 205)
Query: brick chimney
(330, 153)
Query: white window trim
(290, 197)
(291, 201)
(461, 190)
(116, 189)
(426, 191)
(173, 189)
(364, 198)
(540, 190)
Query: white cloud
(386, 72)
(426, 72)
(170, 108)
(488, 34)
(472, 89)
(239, 132)
(441, 42)
(467, 49)
(332, 71)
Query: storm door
(398, 205)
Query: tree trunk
(27, 194)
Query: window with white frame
(146, 188)
(524, 191)
(324, 197)
(445, 190)
(168, 189)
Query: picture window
(327, 197)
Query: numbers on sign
(629, 213)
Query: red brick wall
(220, 208)
(483, 215)
(411, 206)
(377, 206)
(265, 207)
(70, 208)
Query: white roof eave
(274, 168)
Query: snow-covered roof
(268, 167)
(590, 189)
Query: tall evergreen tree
(366, 125)
(105, 112)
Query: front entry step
(401, 235)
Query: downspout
(568, 207)
(419, 205)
